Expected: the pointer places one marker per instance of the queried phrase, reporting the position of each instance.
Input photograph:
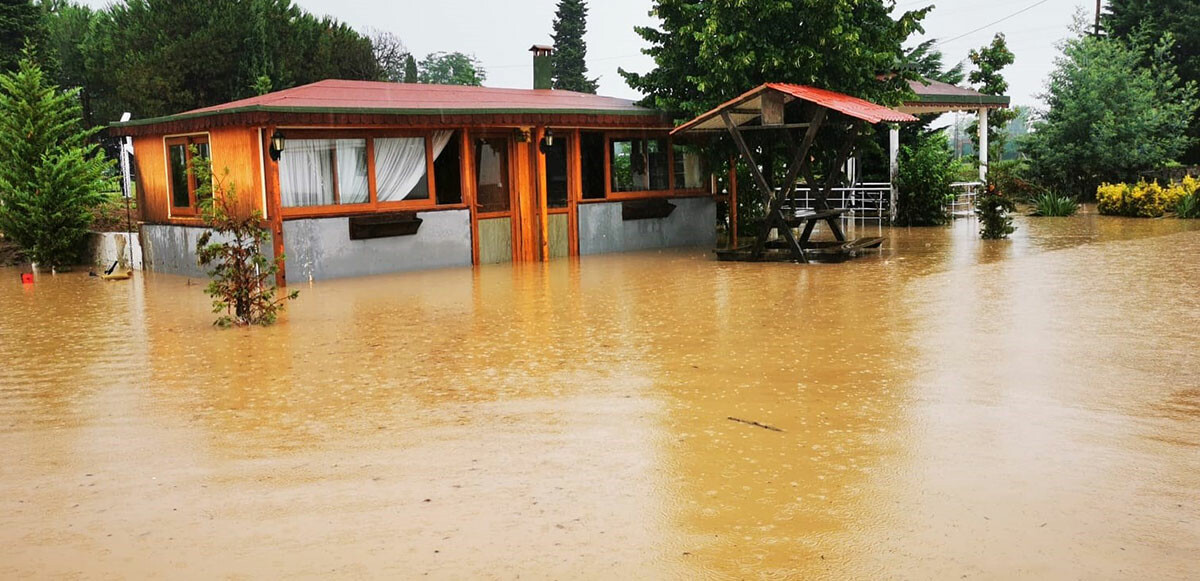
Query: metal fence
(963, 203)
(870, 201)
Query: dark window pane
(446, 172)
(179, 177)
(591, 158)
(491, 174)
(556, 174)
(657, 161)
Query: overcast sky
(499, 32)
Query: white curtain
(306, 173)
(693, 170)
(352, 170)
(400, 164)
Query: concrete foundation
(105, 248)
(171, 249)
(321, 248)
(692, 223)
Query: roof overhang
(934, 97)
(749, 106)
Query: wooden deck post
(274, 207)
(542, 197)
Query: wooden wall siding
(152, 172)
(495, 240)
(559, 234)
(235, 149)
(384, 121)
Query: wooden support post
(733, 202)
(274, 207)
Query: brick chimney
(543, 68)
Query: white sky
(499, 32)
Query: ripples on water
(948, 407)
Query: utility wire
(991, 24)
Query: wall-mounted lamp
(277, 144)
(547, 141)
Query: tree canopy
(570, 50)
(20, 23)
(1110, 117)
(451, 68)
(708, 51)
(989, 60)
(1126, 19)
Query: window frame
(671, 192)
(373, 205)
(187, 141)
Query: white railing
(963, 203)
(870, 201)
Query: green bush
(993, 209)
(1011, 177)
(1053, 205)
(1188, 206)
(926, 172)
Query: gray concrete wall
(692, 223)
(171, 249)
(104, 248)
(321, 248)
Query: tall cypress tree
(570, 50)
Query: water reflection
(947, 407)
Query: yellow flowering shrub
(1144, 199)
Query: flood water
(946, 408)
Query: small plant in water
(1053, 205)
(993, 209)
(243, 279)
(1188, 206)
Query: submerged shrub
(1144, 199)
(993, 209)
(1188, 206)
(926, 172)
(1053, 205)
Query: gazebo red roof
(748, 106)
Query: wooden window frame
(187, 141)
(671, 191)
(373, 205)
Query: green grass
(1052, 205)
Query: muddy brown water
(948, 407)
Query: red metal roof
(842, 103)
(370, 96)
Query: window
(181, 154)
(556, 173)
(318, 171)
(591, 158)
(689, 168)
(323, 172)
(491, 174)
(639, 165)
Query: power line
(991, 24)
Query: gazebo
(795, 115)
(936, 97)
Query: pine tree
(50, 175)
(20, 23)
(410, 70)
(570, 50)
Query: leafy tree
(709, 51)
(158, 57)
(50, 175)
(242, 277)
(570, 50)
(926, 172)
(1127, 19)
(1109, 117)
(989, 61)
(391, 56)
(20, 22)
(411, 75)
(451, 68)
